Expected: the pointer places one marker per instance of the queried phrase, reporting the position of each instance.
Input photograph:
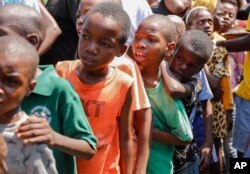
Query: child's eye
(231, 15)
(200, 22)
(137, 37)
(12, 82)
(84, 36)
(179, 59)
(106, 45)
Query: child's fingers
(31, 127)
(33, 133)
(37, 139)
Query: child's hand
(205, 151)
(36, 130)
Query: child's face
(203, 21)
(99, 42)
(218, 18)
(149, 45)
(84, 7)
(229, 16)
(14, 83)
(185, 63)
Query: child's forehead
(103, 21)
(229, 6)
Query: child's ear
(34, 40)
(122, 50)
(170, 49)
(31, 87)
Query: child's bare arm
(214, 83)
(167, 138)
(37, 130)
(142, 124)
(52, 29)
(3, 152)
(125, 135)
(173, 87)
(205, 150)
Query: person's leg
(217, 167)
(241, 127)
(229, 151)
(190, 169)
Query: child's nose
(92, 47)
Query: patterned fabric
(217, 66)
(28, 159)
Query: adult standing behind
(242, 99)
(52, 29)
(64, 13)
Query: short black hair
(168, 27)
(179, 24)
(115, 12)
(199, 41)
(23, 19)
(19, 49)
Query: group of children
(105, 112)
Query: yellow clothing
(209, 4)
(244, 87)
(248, 23)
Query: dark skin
(36, 130)
(142, 117)
(179, 90)
(149, 48)
(3, 152)
(98, 46)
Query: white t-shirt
(28, 159)
(137, 11)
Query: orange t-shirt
(127, 65)
(102, 103)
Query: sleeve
(227, 97)
(248, 23)
(180, 124)
(140, 98)
(41, 160)
(74, 118)
(206, 93)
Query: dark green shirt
(54, 99)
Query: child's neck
(91, 77)
(10, 117)
(151, 77)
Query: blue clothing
(241, 127)
(31, 3)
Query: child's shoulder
(50, 82)
(63, 68)
(122, 77)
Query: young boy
(171, 127)
(53, 99)
(219, 78)
(141, 106)
(19, 61)
(105, 91)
